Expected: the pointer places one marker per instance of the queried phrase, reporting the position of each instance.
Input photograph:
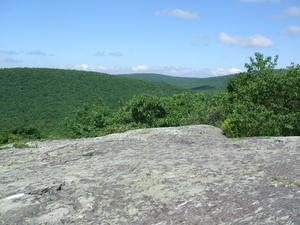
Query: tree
(154, 111)
(20, 133)
(88, 121)
(259, 64)
(142, 109)
(264, 102)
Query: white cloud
(107, 69)
(293, 11)
(100, 53)
(260, 0)
(86, 67)
(202, 37)
(177, 13)
(140, 68)
(220, 72)
(38, 52)
(34, 52)
(116, 54)
(9, 52)
(8, 60)
(179, 71)
(185, 71)
(252, 41)
(172, 70)
(291, 30)
(81, 67)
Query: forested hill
(209, 86)
(44, 97)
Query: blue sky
(195, 38)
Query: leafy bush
(259, 102)
(20, 145)
(20, 133)
(142, 109)
(4, 137)
(181, 106)
(88, 121)
(43, 97)
(212, 111)
(154, 111)
(140, 112)
(264, 102)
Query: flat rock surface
(180, 175)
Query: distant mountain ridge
(210, 86)
(44, 97)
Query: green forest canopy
(44, 97)
(260, 102)
(210, 86)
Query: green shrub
(211, 111)
(142, 109)
(154, 111)
(181, 106)
(260, 102)
(88, 121)
(20, 133)
(264, 102)
(4, 137)
(20, 144)
(149, 111)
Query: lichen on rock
(177, 175)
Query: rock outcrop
(181, 175)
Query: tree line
(260, 102)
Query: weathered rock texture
(182, 175)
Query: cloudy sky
(197, 38)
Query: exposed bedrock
(180, 175)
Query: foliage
(284, 181)
(182, 106)
(142, 110)
(210, 86)
(297, 183)
(260, 102)
(20, 133)
(278, 179)
(20, 144)
(264, 102)
(147, 111)
(259, 64)
(44, 97)
(88, 121)
(213, 111)
(154, 111)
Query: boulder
(176, 175)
